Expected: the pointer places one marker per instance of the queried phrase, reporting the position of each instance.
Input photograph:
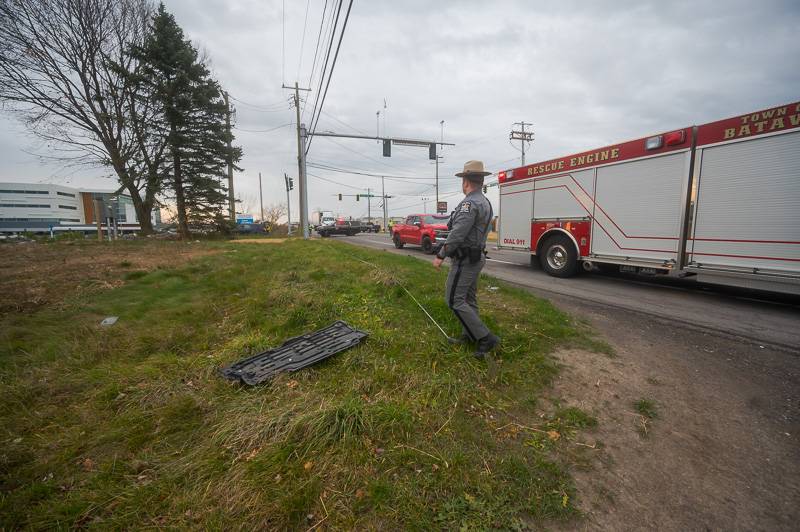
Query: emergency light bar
(668, 139)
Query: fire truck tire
(559, 257)
(397, 243)
(427, 245)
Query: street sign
(441, 207)
(244, 219)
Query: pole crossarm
(298, 88)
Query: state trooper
(466, 246)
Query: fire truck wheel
(396, 240)
(559, 257)
(427, 246)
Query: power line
(266, 108)
(327, 57)
(330, 74)
(302, 41)
(327, 36)
(345, 124)
(323, 166)
(263, 130)
(332, 181)
(316, 48)
(364, 155)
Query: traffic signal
(387, 147)
(291, 183)
(485, 188)
(432, 152)
(358, 197)
(340, 197)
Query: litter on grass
(111, 320)
(295, 353)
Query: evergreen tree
(193, 121)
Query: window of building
(67, 194)
(24, 192)
(70, 207)
(39, 220)
(25, 205)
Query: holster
(474, 255)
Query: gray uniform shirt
(470, 220)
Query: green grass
(646, 408)
(131, 426)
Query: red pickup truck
(419, 229)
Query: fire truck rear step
(295, 353)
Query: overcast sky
(586, 74)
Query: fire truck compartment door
(564, 196)
(516, 211)
(748, 205)
(637, 208)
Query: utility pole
(369, 205)
(289, 186)
(441, 124)
(523, 136)
(437, 179)
(261, 197)
(303, 182)
(383, 195)
(301, 159)
(231, 200)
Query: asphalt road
(762, 319)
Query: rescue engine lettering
(580, 160)
(596, 157)
(547, 167)
(759, 125)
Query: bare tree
(248, 204)
(272, 214)
(65, 71)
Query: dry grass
(34, 274)
(131, 426)
(260, 240)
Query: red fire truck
(719, 203)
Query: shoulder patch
(465, 207)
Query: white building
(42, 208)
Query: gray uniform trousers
(461, 294)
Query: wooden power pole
(231, 200)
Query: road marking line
(506, 262)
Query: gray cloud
(585, 73)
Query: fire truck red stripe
(649, 237)
(745, 256)
(607, 215)
(744, 241)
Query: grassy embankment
(131, 425)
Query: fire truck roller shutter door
(564, 196)
(516, 211)
(638, 208)
(748, 205)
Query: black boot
(486, 344)
(463, 339)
